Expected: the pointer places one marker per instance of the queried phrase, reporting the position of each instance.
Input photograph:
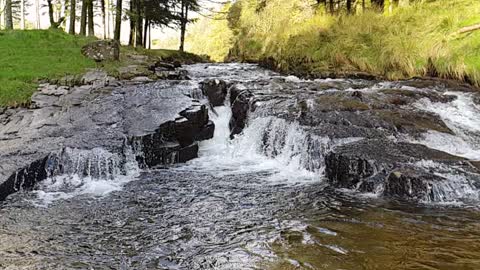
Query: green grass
(412, 40)
(29, 56)
(33, 55)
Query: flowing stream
(246, 203)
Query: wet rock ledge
(362, 135)
(97, 128)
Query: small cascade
(94, 163)
(287, 143)
(448, 187)
(462, 117)
(96, 172)
(282, 149)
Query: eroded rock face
(102, 50)
(101, 124)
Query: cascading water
(95, 172)
(271, 145)
(462, 116)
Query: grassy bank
(412, 40)
(28, 57)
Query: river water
(231, 208)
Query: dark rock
(102, 50)
(187, 153)
(476, 99)
(365, 165)
(357, 94)
(409, 183)
(240, 102)
(206, 132)
(269, 63)
(177, 74)
(25, 178)
(215, 90)
(188, 127)
(177, 64)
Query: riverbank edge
(270, 63)
(16, 90)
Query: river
(233, 207)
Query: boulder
(102, 50)
(215, 90)
(410, 183)
(132, 71)
(395, 168)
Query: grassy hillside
(411, 40)
(28, 56)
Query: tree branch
(469, 29)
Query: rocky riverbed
(232, 166)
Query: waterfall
(74, 172)
(270, 145)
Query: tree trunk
(145, 32)
(107, 19)
(183, 24)
(22, 14)
(91, 26)
(50, 14)
(2, 19)
(83, 18)
(104, 18)
(37, 13)
(73, 17)
(378, 5)
(149, 36)
(108, 6)
(131, 39)
(65, 11)
(332, 7)
(8, 15)
(138, 24)
(349, 6)
(118, 20)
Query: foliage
(210, 37)
(411, 40)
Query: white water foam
(462, 116)
(95, 172)
(280, 149)
(455, 189)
